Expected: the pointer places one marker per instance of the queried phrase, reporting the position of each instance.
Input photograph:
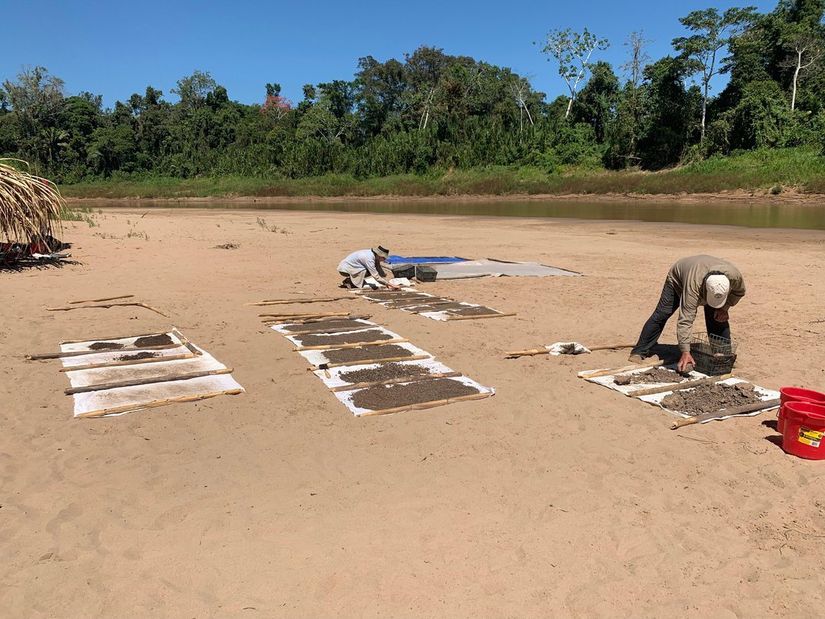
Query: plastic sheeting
(123, 400)
(489, 267)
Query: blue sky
(116, 48)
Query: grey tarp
(498, 268)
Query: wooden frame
(130, 408)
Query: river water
(810, 217)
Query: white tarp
(607, 381)
(334, 380)
(317, 357)
(130, 399)
(298, 338)
(346, 396)
(764, 395)
(489, 267)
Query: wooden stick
(116, 337)
(106, 306)
(80, 353)
(611, 347)
(526, 353)
(146, 381)
(479, 316)
(425, 405)
(304, 300)
(125, 296)
(627, 368)
(324, 366)
(128, 408)
(725, 412)
(304, 315)
(679, 386)
(185, 341)
(111, 364)
(393, 381)
(354, 345)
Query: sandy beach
(555, 498)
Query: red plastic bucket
(804, 431)
(796, 394)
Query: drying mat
(657, 398)
(416, 380)
(340, 376)
(763, 393)
(607, 381)
(336, 324)
(352, 356)
(442, 309)
(120, 400)
(331, 340)
(401, 397)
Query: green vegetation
(435, 124)
(768, 171)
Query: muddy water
(810, 217)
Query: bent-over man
(693, 281)
(356, 267)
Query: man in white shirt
(356, 267)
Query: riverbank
(555, 497)
(796, 175)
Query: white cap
(717, 288)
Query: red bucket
(796, 394)
(804, 431)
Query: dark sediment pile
(105, 346)
(325, 325)
(365, 353)
(385, 371)
(710, 398)
(137, 356)
(153, 340)
(392, 396)
(656, 375)
(344, 338)
(473, 311)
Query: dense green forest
(433, 111)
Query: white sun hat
(717, 287)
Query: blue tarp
(424, 259)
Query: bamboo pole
(651, 363)
(128, 408)
(425, 405)
(304, 315)
(324, 366)
(333, 331)
(480, 316)
(679, 386)
(353, 345)
(146, 381)
(725, 412)
(544, 351)
(114, 337)
(107, 306)
(111, 364)
(124, 296)
(302, 300)
(312, 321)
(80, 353)
(185, 341)
(393, 381)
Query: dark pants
(667, 306)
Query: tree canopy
(432, 110)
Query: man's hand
(684, 361)
(721, 315)
(393, 287)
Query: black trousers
(667, 306)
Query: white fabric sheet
(335, 380)
(498, 268)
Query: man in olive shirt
(697, 280)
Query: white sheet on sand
(130, 399)
(284, 329)
(346, 396)
(657, 398)
(298, 339)
(317, 357)
(335, 380)
(489, 267)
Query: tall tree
(804, 52)
(572, 52)
(713, 31)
